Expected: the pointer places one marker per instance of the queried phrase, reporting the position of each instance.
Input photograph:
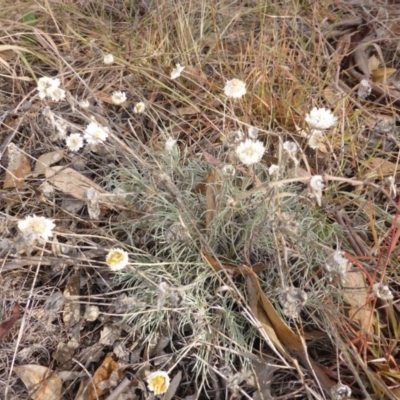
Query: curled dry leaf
(46, 160)
(103, 374)
(42, 383)
(7, 325)
(71, 182)
(264, 311)
(285, 340)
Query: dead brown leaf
(7, 325)
(373, 63)
(242, 270)
(189, 110)
(46, 160)
(102, 374)
(381, 75)
(269, 318)
(356, 295)
(280, 334)
(360, 60)
(73, 183)
(42, 383)
(377, 167)
(210, 159)
(173, 387)
(332, 96)
(18, 168)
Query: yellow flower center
(160, 385)
(115, 258)
(249, 152)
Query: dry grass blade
(212, 188)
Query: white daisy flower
(170, 144)
(253, 132)
(382, 291)
(250, 151)
(158, 382)
(176, 72)
(321, 118)
(95, 133)
(74, 142)
(118, 98)
(290, 147)
(139, 107)
(58, 94)
(49, 87)
(316, 139)
(36, 227)
(108, 59)
(235, 88)
(117, 259)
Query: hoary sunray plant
(176, 292)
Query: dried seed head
(292, 300)
(340, 391)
